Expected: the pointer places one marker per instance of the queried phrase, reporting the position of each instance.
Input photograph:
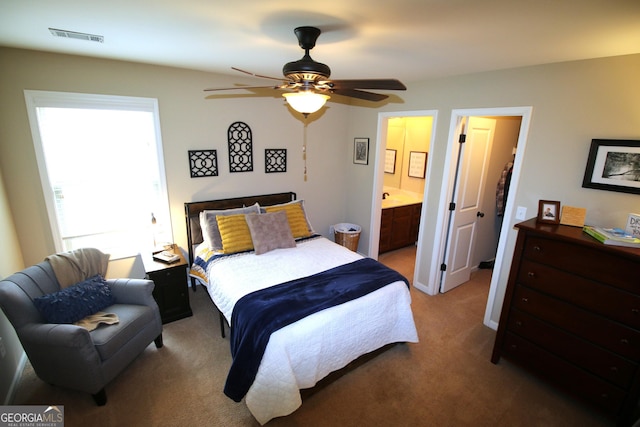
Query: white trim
(509, 212)
(36, 98)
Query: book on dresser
(612, 236)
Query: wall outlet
(521, 213)
(3, 351)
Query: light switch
(521, 213)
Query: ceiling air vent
(77, 36)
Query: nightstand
(171, 286)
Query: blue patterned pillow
(75, 302)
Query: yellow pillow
(235, 233)
(296, 217)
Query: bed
(301, 343)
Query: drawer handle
(514, 347)
(518, 323)
(525, 299)
(531, 274)
(537, 248)
(613, 368)
(604, 396)
(624, 341)
(635, 311)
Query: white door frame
(378, 177)
(447, 188)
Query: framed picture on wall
(417, 164)
(390, 161)
(613, 165)
(361, 151)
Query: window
(101, 166)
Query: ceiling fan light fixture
(306, 102)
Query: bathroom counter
(400, 199)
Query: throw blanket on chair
(92, 321)
(78, 265)
(257, 315)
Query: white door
(467, 196)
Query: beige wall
(394, 141)
(10, 262)
(407, 134)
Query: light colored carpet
(445, 380)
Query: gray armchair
(70, 356)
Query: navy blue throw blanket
(258, 314)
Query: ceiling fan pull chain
(304, 150)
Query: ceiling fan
(307, 82)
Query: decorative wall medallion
(203, 163)
(240, 147)
(275, 160)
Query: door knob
(480, 214)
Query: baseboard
(16, 380)
(492, 324)
(424, 288)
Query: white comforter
(332, 338)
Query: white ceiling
(406, 39)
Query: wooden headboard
(192, 212)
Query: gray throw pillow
(270, 231)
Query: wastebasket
(347, 235)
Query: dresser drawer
(600, 393)
(577, 351)
(584, 261)
(592, 327)
(606, 300)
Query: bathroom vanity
(399, 226)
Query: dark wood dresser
(571, 314)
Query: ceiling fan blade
(258, 75)
(386, 84)
(360, 94)
(241, 87)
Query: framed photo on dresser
(549, 211)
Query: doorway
(484, 166)
(523, 114)
(385, 122)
